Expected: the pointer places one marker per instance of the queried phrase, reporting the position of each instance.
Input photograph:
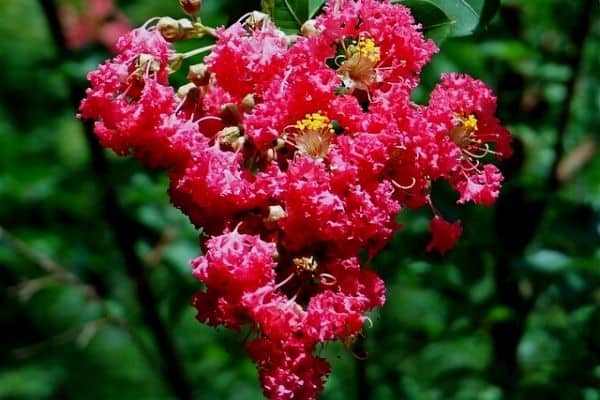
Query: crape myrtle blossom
(444, 234)
(295, 155)
(129, 97)
(379, 42)
(462, 111)
(243, 60)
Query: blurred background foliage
(94, 261)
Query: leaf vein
(470, 8)
(292, 12)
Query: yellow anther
(359, 69)
(314, 136)
(469, 122)
(315, 122)
(305, 264)
(463, 133)
(366, 47)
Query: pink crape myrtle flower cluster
(295, 154)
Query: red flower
(244, 60)
(129, 97)
(462, 110)
(444, 234)
(234, 266)
(305, 85)
(294, 157)
(287, 371)
(380, 42)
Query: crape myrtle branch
(294, 155)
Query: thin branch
(57, 273)
(35, 257)
(60, 339)
(197, 51)
(155, 255)
(575, 62)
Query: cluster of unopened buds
(295, 155)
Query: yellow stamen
(314, 122)
(358, 71)
(469, 122)
(315, 134)
(463, 133)
(366, 47)
(306, 264)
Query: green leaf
(499, 313)
(455, 354)
(490, 8)
(32, 381)
(435, 22)
(314, 6)
(289, 15)
(463, 17)
(468, 15)
(549, 261)
(464, 13)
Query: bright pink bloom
(129, 97)
(244, 60)
(480, 188)
(304, 86)
(461, 110)
(287, 371)
(444, 234)
(386, 44)
(294, 157)
(337, 313)
(459, 96)
(234, 266)
(215, 187)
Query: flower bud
(257, 20)
(170, 29)
(176, 29)
(275, 214)
(309, 29)
(185, 24)
(185, 90)
(190, 7)
(147, 63)
(175, 62)
(232, 136)
(199, 74)
(230, 114)
(248, 102)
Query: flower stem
(197, 51)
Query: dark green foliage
(289, 15)
(512, 313)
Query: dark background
(94, 261)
